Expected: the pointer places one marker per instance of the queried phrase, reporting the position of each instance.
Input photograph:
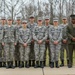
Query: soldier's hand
(64, 41)
(40, 41)
(15, 44)
(3, 44)
(73, 39)
(25, 44)
(55, 42)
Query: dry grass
(47, 58)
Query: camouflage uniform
(9, 39)
(1, 37)
(47, 45)
(55, 34)
(32, 55)
(24, 37)
(39, 33)
(17, 58)
(64, 45)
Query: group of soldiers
(25, 44)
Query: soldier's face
(47, 21)
(73, 21)
(24, 24)
(39, 22)
(55, 23)
(3, 21)
(64, 20)
(9, 22)
(31, 19)
(18, 21)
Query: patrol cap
(31, 16)
(55, 19)
(9, 18)
(3, 18)
(24, 21)
(64, 18)
(40, 19)
(47, 18)
(18, 18)
(72, 16)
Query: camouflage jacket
(9, 34)
(24, 36)
(40, 33)
(55, 34)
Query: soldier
(40, 36)
(9, 42)
(64, 42)
(47, 46)
(55, 35)
(31, 26)
(3, 23)
(1, 37)
(24, 40)
(18, 26)
(71, 40)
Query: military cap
(18, 18)
(9, 18)
(72, 16)
(31, 16)
(24, 21)
(39, 18)
(64, 17)
(3, 18)
(47, 18)
(55, 19)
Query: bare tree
(13, 7)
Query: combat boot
(52, 65)
(56, 64)
(16, 64)
(30, 63)
(67, 62)
(33, 63)
(62, 63)
(69, 66)
(8, 65)
(4, 64)
(0, 64)
(42, 64)
(27, 64)
(21, 64)
(37, 64)
(12, 66)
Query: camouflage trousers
(39, 51)
(1, 52)
(32, 55)
(55, 50)
(9, 49)
(24, 53)
(47, 47)
(17, 54)
(64, 47)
